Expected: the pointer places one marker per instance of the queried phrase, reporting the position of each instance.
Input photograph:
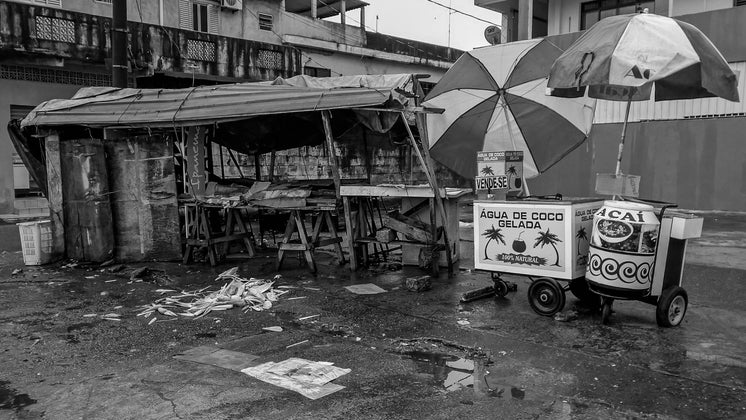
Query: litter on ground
(308, 378)
(250, 294)
(365, 289)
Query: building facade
(51, 48)
(689, 152)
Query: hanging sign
(499, 171)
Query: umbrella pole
(624, 134)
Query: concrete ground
(411, 355)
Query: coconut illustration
(518, 244)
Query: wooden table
(305, 243)
(199, 231)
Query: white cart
(546, 239)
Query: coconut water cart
(637, 252)
(544, 238)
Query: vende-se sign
(499, 171)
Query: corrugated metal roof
(111, 107)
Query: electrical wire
(462, 13)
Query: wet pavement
(412, 355)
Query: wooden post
(54, 193)
(350, 228)
(257, 167)
(432, 180)
(271, 173)
(195, 161)
(333, 160)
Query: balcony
(39, 36)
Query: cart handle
(557, 197)
(664, 205)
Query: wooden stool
(199, 232)
(307, 245)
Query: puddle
(453, 373)
(206, 335)
(10, 399)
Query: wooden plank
(326, 116)
(417, 231)
(54, 194)
(144, 203)
(195, 160)
(294, 247)
(387, 191)
(427, 166)
(89, 232)
(350, 232)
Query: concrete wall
(698, 163)
(15, 92)
(343, 64)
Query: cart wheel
(501, 288)
(579, 288)
(671, 307)
(606, 305)
(546, 296)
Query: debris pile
(249, 294)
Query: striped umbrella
(495, 99)
(627, 57)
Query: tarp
(113, 107)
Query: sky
(421, 20)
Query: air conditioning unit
(232, 4)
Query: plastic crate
(36, 242)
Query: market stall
(171, 148)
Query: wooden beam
(326, 116)
(415, 109)
(54, 193)
(430, 173)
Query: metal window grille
(201, 50)
(55, 29)
(50, 75)
(270, 59)
(265, 21)
(57, 3)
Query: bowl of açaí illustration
(613, 231)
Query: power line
(395, 39)
(460, 12)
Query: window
(270, 59)
(265, 22)
(201, 50)
(54, 75)
(739, 2)
(55, 29)
(317, 71)
(198, 16)
(593, 11)
(56, 3)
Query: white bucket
(36, 242)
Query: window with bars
(55, 29)
(317, 71)
(270, 59)
(201, 50)
(593, 11)
(739, 2)
(265, 21)
(54, 3)
(199, 16)
(52, 75)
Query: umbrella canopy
(625, 58)
(643, 51)
(495, 99)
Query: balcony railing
(46, 36)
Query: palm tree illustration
(547, 238)
(512, 172)
(492, 234)
(581, 235)
(487, 170)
